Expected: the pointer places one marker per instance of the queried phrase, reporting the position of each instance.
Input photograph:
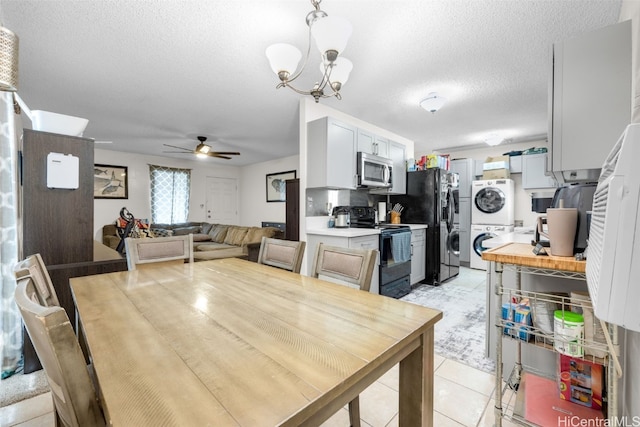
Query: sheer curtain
(10, 320)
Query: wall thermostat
(63, 171)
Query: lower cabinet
(418, 255)
(361, 242)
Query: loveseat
(210, 241)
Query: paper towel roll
(382, 211)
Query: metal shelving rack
(508, 404)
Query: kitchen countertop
(356, 232)
(524, 236)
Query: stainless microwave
(374, 171)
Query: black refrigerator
(430, 200)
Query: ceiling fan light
(203, 148)
(283, 57)
(433, 102)
(201, 155)
(331, 33)
(340, 71)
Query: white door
(222, 200)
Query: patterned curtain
(169, 194)
(10, 320)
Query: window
(169, 194)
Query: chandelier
(331, 35)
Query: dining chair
(351, 267)
(172, 249)
(280, 253)
(34, 267)
(346, 266)
(74, 396)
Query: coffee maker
(578, 196)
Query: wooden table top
(522, 254)
(230, 342)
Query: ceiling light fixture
(433, 102)
(331, 35)
(493, 139)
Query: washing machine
(480, 233)
(493, 202)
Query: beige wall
(252, 191)
(106, 211)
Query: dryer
(480, 233)
(493, 202)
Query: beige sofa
(210, 241)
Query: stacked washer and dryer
(492, 214)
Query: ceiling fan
(203, 150)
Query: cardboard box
(496, 168)
(580, 381)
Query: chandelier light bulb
(283, 58)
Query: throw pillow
(218, 233)
(183, 231)
(162, 232)
(235, 235)
(201, 237)
(206, 227)
(255, 234)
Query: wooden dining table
(232, 342)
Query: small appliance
(374, 171)
(579, 196)
(362, 217)
(612, 260)
(342, 215)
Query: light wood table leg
(416, 385)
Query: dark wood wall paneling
(58, 223)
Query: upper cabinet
(372, 144)
(590, 97)
(331, 154)
(534, 167)
(465, 170)
(397, 153)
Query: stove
(395, 251)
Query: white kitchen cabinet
(360, 242)
(418, 255)
(372, 144)
(331, 154)
(397, 153)
(590, 100)
(465, 171)
(381, 147)
(534, 167)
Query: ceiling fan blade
(228, 153)
(219, 156)
(179, 148)
(178, 152)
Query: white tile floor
(455, 384)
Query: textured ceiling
(147, 73)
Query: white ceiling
(148, 73)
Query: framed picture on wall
(276, 185)
(110, 182)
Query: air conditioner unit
(613, 261)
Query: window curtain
(10, 319)
(169, 194)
